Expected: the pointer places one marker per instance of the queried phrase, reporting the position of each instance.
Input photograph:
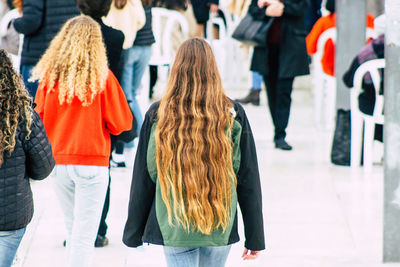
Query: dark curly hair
(15, 105)
(94, 8)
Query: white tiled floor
(316, 214)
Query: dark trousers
(279, 92)
(103, 225)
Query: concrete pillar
(375, 7)
(351, 20)
(391, 225)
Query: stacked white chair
(163, 22)
(363, 125)
(324, 85)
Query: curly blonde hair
(15, 106)
(76, 60)
(193, 142)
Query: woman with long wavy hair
(25, 152)
(81, 104)
(195, 161)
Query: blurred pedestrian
(25, 153)
(283, 57)
(135, 61)
(40, 22)
(81, 104)
(195, 160)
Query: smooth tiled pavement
(316, 214)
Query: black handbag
(253, 32)
(340, 154)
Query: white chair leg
(318, 98)
(369, 130)
(356, 140)
(330, 92)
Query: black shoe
(253, 97)
(101, 241)
(281, 144)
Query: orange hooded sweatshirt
(81, 135)
(323, 24)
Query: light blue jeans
(134, 63)
(9, 243)
(81, 191)
(196, 256)
(256, 81)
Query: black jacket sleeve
(348, 77)
(249, 187)
(256, 12)
(142, 190)
(32, 18)
(296, 7)
(40, 161)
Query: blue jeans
(134, 63)
(256, 81)
(9, 243)
(26, 74)
(196, 256)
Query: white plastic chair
(324, 85)
(4, 22)
(361, 122)
(161, 54)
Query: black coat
(31, 158)
(293, 58)
(113, 40)
(41, 21)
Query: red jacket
(81, 135)
(323, 24)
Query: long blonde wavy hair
(76, 59)
(15, 106)
(193, 142)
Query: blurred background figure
(135, 60)
(201, 11)
(25, 153)
(80, 90)
(40, 22)
(280, 62)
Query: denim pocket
(86, 172)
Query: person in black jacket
(283, 57)
(196, 160)
(40, 22)
(113, 40)
(25, 152)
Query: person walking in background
(195, 160)
(77, 86)
(113, 40)
(254, 95)
(40, 22)
(134, 62)
(282, 59)
(325, 23)
(25, 152)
